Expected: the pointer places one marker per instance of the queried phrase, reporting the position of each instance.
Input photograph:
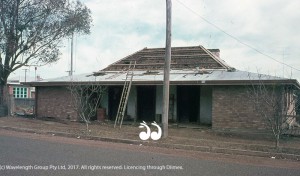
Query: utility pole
(35, 68)
(71, 70)
(283, 54)
(72, 38)
(166, 86)
(25, 73)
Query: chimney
(38, 78)
(215, 52)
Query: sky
(251, 34)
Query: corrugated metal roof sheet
(175, 76)
(196, 65)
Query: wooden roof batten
(189, 66)
(193, 57)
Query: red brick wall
(55, 102)
(233, 110)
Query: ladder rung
(125, 94)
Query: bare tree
(31, 32)
(86, 100)
(276, 104)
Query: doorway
(114, 94)
(146, 96)
(188, 103)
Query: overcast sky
(123, 27)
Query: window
(20, 92)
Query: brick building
(19, 90)
(203, 89)
(21, 97)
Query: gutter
(293, 82)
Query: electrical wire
(235, 38)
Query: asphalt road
(33, 154)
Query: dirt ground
(193, 135)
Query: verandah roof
(177, 77)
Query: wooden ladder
(125, 95)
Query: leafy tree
(31, 32)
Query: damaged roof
(181, 58)
(189, 66)
(177, 77)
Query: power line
(235, 38)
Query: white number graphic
(146, 135)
